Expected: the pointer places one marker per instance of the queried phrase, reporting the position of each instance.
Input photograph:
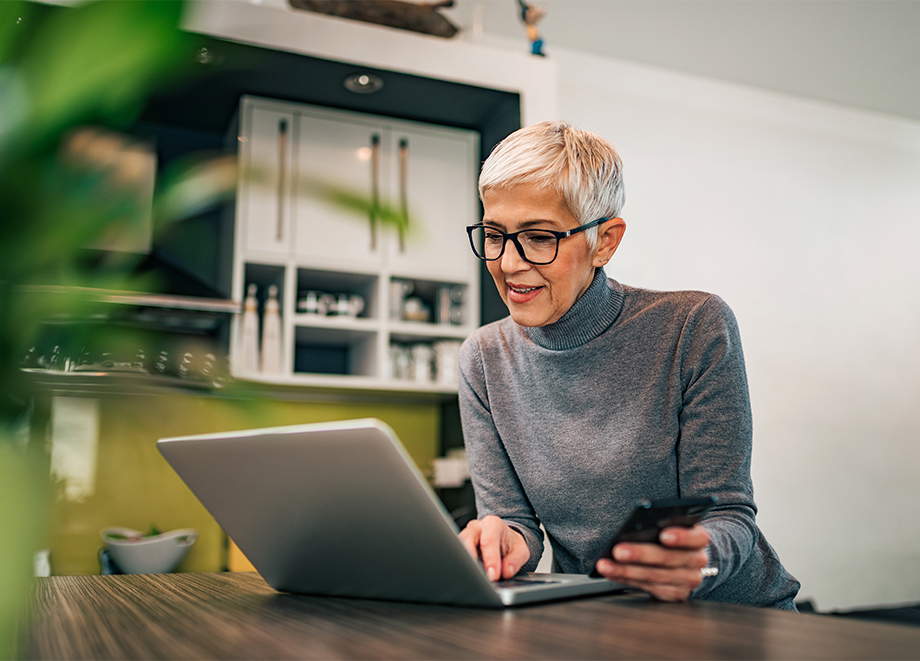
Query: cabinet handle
(282, 176)
(403, 191)
(375, 187)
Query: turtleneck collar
(590, 316)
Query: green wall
(134, 487)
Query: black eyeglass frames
(537, 247)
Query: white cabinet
(359, 297)
(422, 172)
(433, 179)
(347, 155)
(265, 204)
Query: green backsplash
(134, 487)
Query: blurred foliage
(94, 64)
(62, 68)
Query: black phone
(652, 516)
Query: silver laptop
(340, 509)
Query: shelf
(417, 331)
(349, 382)
(118, 382)
(336, 322)
(247, 386)
(140, 299)
(153, 311)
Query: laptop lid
(340, 509)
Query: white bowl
(158, 554)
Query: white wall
(805, 217)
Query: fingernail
(491, 572)
(668, 537)
(622, 553)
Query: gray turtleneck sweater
(631, 394)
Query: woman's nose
(512, 260)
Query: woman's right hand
(502, 548)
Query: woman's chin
(527, 317)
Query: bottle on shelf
(271, 334)
(249, 344)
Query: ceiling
(859, 53)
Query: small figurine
(531, 15)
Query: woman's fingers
(502, 549)
(490, 546)
(470, 538)
(669, 571)
(659, 556)
(686, 538)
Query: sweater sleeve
(714, 448)
(495, 482)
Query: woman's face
(540, 295)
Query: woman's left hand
(669, 571)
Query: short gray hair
(582, 166)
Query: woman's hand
(502, 549)
(669, 571)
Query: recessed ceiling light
(364, 83)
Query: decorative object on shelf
(271, 334)
(450, 305)
(322, 304)
(349, 305)
(425, 363)
(446, 353)
(153, 553)
(531, 15)
(414, 309)
(400, 362)
(399, 290)
(422, 356)
(414, 16)
(314, 302)
(250, 336)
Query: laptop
(340, 509)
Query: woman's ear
(609, 235)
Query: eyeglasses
(538, 247)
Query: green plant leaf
(99, 60)
(15, 18)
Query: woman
(593, 394)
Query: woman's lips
(522, 293)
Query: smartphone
(652, 516)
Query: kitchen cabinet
(266, 161)
(348, 155)
(432, 172)
(364, 303)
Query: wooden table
(237, 616)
